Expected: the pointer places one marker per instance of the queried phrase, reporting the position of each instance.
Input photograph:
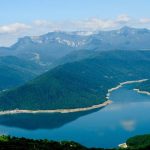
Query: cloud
(128, 125)
(10, 32)
(114, 107)
(42, 26)
(124, 18)
(99, 24)
(47, 26)
(13, 28)
(144, 20)
(85, 24)
(94, 24)
(41, 23)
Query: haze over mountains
(82, 67)
(47, 48)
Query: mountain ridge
(55, 45)
(78, 84)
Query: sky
(35, 17)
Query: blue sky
(29, 10)
(33, 17)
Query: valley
(50, 94)
(78, 84)
(112, 122)
(74, 75)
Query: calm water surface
(127, 116)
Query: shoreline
(18, 111)
(122, 84)
(125, 83)
(142, 92)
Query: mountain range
(78, 84)
(48, 48)
(71, 69)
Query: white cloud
(128, 125)
(90, 24)
(41, 23)
(47, 26)
(114, 107)
(86, 24)
(13, 28)
(145, 20)
(9, 33)
(94, 24)
(124, 18)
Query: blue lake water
(128, 115)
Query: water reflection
(127, 116)
(41, 120)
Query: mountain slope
(125, 38)
(46, 48)
(78, 84)
(75, 56)
(15, 71)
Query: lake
(107, 127)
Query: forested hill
(15, 71)
(141, 142)
(78, 84)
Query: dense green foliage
(141, 142)
(22, 64)
(76, 56)
(15, 71)
(13, 143)
(78, 84)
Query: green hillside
(14, 143)
(140, 142)
(15, 71)
(78, 84)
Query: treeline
(14, 143)
(141, 142)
